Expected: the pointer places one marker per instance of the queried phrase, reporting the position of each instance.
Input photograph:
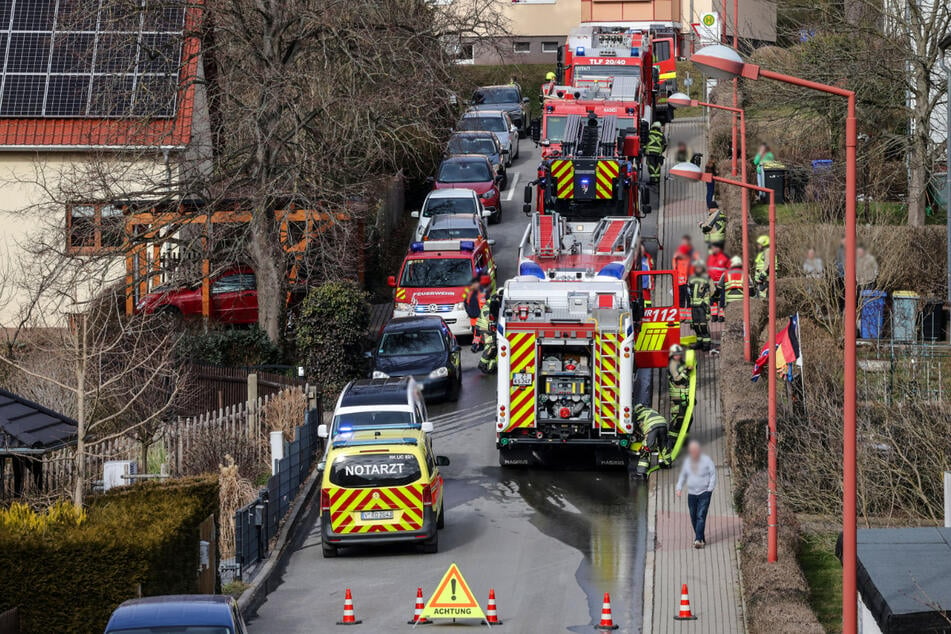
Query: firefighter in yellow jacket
(653, 426)
(678, 387)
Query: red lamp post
(680, 99)
(692, 172)
(725, 63)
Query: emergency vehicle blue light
(531, 268)
(466, 245)
(345, 429)
(416, 247)
(579, 50)
(615, 269)
(585, 181)
(376, 441)
(635, 52)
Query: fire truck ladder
(607, 384)
(624, 87)
(546, 235)
(613, 235)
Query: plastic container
(933, 320)
(873, 314)
(905, 316)
(775, 179)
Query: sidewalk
(712, 574)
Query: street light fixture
(680, 99)
(693, 172)
(722, 62)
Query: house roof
(903, 577)
(26, 426)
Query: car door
(234, 298)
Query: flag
(787, 350)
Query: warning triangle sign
(453, 599)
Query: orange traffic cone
(685, 614)
(491, 612)
(607, 621)
(418, 618)
(349, 616)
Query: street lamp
(692, 172)
(680, 99)
(722, 62)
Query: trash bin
(873, 314)
(775, 179)
(904, 316)
(933, 320)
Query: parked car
(446, 201)
(178, 614)
(480, 142)
(508, 99)
(498, 123)
(234, 298)
(458, 227)
(472, 172)
(424, 348)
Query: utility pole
(944, 44)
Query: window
(368, 470)
(92, 229)
(549, 47)
(522, 47)
(661, 51)
(465, 54)
(234, 283)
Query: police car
(435, 277)
(382, 486)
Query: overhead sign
(709, 28)
(452, 599)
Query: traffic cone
(418, 618)
(607, 621)
(491, 613)
(685, 614)
(349, 616)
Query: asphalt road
(550, 542)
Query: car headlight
(403, 307)
(489, 194)
(439, 373)
(459, 306)
(380, 375)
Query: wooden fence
(214, 388)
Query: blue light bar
(375, 441)
(635, 52)
(585, 181)
(466, 245)
(416, 247)
(579, 50)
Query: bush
(20, 518)
(229, 347)
(331, 332)
(142, 538)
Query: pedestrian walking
(763, 157)
(699, 476)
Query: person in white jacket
(699, 475)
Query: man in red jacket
(717, 264)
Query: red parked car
(234, 298)
(475, 172)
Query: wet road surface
(550, 542)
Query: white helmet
(675, 349)
(736, 261)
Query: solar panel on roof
(90, 58)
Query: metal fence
(259, 521)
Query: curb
(257, 591)
(649, 556)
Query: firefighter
(717, 264)
(678, 387)
(550, 76)
(489, 361)
(654, 428)
(474, 300)
(699, 292)
(732, 281)
(682, 261)
(714, 227)
(656, 146)
(761, 266)
(645, 263)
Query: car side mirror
(486, 213)
(525, 100)
(442, 461)
(427, 427)
(491, 242)
(391, 281)
(414, 214)
(513, 130)
(527, 195)
(504, 152)
(368, 354)
(322, 431)
(544, 143)
(430, 179)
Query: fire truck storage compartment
(565, 384)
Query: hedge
(142, 538)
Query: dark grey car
(506, 98)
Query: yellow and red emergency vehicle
(435, 276)
(382, 485)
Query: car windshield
(189, 629)
(353, 420)
(485, 96)
(369, 470)
(398, 344)
(438, 206)
(555, 128)
(596, 72)
(470, 145)
(436, 272)
(453, 233)
(464, 172)
(492, 123)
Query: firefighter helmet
(550, 76)
(699, 267)
(656, 125)
(763, 241)
(736, 261)
(675, 349)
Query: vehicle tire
(516, 148)
(509, 157)
(505, 181)
(329, 551)
(456, 387)
(441, 520)
(497, 217)
(431, 545)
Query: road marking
(512, 185)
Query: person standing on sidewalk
(699, 475)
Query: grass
(879, 213)
(235, 588)
(824, 575)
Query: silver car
(498, 123)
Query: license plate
(522, 379)
(376, 515)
